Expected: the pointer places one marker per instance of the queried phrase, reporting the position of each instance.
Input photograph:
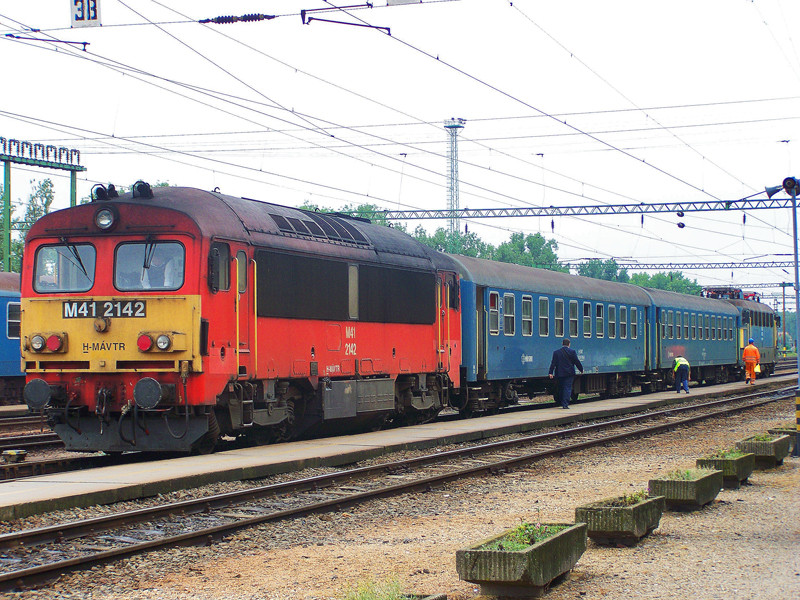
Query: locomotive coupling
(38, 393)
(148, 392)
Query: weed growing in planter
(389, 589)
(730, 453)
(524, 535)
(626, 499)
(762, 437)
(687, 474)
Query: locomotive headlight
(104, 219)
(37, 343)
(163, 342)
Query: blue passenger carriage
(514, 317)
(12, 379)
(702, 330)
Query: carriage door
(244, 310)
(480, 309)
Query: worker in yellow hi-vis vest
(681, 368)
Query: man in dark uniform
(565, 359)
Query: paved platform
(104, 485)
(14, 410)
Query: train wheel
(206, 445)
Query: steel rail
(71, 530)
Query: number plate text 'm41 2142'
(94, 309)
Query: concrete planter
(792, 433)
(734, 470)
(769, 453)
(609, 524)
(688, 494)
(522, 573)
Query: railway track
(31, 556)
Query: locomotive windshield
(149, 266)
(64, 268)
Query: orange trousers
(750, 370)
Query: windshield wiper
(76, 255)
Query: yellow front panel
(114, 349)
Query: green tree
(600, 269)
(531, 250)
(466, 244)
(38, 204)
(673, 281)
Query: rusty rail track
(43, 553)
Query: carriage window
(494, 313)
(599, 320)
(694, 326)
(678, 325)
(149, 266)
(623, 322)
(713, 328)
(573, 318)
(612, 321)
(634, 324)
(544, 317)
(686, 325)
(12, 320)
(706, 319)
(587, 319)
(64, 268)
(670, 327)
(719, 327)
(559, 318)
(527, 315)
(731, 325)
(509, 308)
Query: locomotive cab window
(149, 266)
(64, 268)
(219, 267)
(241, 270)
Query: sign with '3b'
(85, 13)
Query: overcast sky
(566, 103)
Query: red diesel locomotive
(169, 317)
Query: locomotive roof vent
(321, 227)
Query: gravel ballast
(745, 544)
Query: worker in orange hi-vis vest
(751, 357)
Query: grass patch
(388, 589)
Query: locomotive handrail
(255, 320)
